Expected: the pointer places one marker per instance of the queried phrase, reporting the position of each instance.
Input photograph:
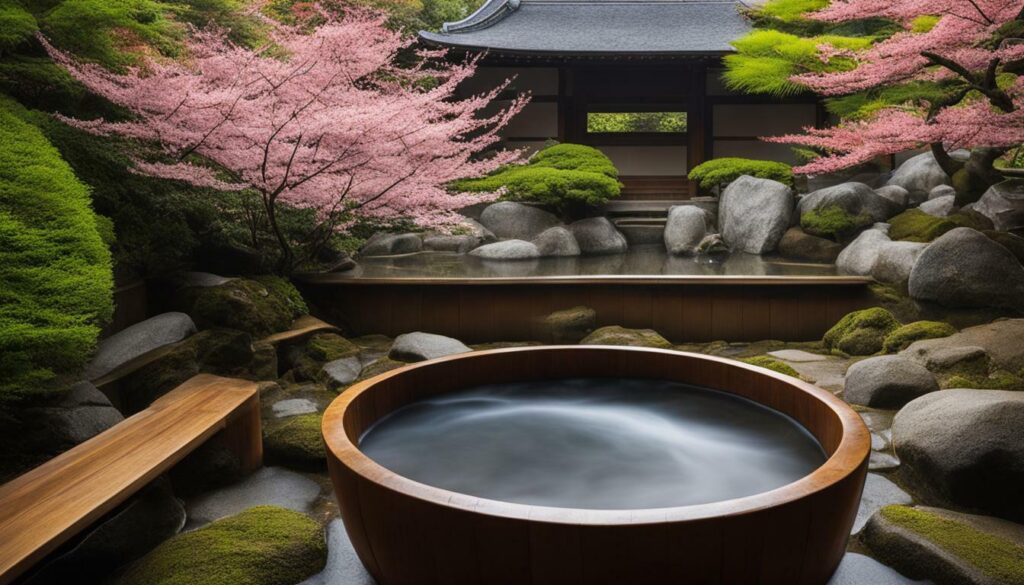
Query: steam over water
(594, 443)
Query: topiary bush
(722, 171)
(902, 337)
(914, 225)
(564, 176)
(55, 269)
(17, 25)
(861, 332)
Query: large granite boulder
(919, 175)
(597, 235)
(859, 205)
(259, 306)
(388, 244)
(1003, 204)
(685, 229)
(1000, 341)
(556, 242)
(753, 214)
(419, 346)
(895, 261)
(939, 207)
(138, 339)
(508, 219)
(858, 258)
(966, 446)
(799, 245)
(964, 268)
(507, 250)
(947, 547)
(887, 382)
(899, 196)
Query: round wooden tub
(408, 532)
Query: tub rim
(849, 457)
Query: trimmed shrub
(563, 176)
(901, 338)
(17, 25)
(861, 332)
(55, 269)
(914, 225)
(722, 171)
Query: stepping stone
(856, 569)
(797, 355)
(343, 566)
(270, 486)
(879, 492)
(293, 407)
(881, 461)
(419, 346)
(342, 372)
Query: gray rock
(878, 493)
(967, 447)
(898, 195)
(940, 207)
(343, 565)
(926, 555)
(419, 346)
(1000, 340)
(712, 245)
(860, 255)
(202, 279)
(857, 569)
(293, 407)
(597, 235)
(919, 175)
(388, 244)
(138, 339)
(477, 229)
(965, 268)
(753, 214)
(507, 250)
(508, 219)
(857, 199)
(80, 415)
(945, 359)
(570, 325)
(459, 244)
(895, 261)
(797, 356)
(686, 227)
(941, 191)
(798, 244)
(887, 381)
(1003, 204)
(269, 486)
(341, 372)
(557, 242)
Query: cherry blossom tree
(972, 49)
(319, 119)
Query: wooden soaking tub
(406, 532)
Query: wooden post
(695, 119)
(243, 435)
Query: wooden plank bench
(44, 508)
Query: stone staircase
(643, 221)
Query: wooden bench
(44, 508)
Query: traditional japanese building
(588, 62)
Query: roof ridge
(486, 16)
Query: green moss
(901, 338)
(616, 335)
(285, 290)
(265, 545)
(295, 441)
(773, 364)
(997, 380)
(320, 349)
(243, 304)
(563, 176)
(832, 221)
(17, 25)
(915, 225)
(54, 266)
(998, 558)
(924, 23)
(722, 171)
(861, 332)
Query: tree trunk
(287, 263)
(977, 175)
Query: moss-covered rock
(245, 305)
(384, 364)
(295, 441)
(616, 335)
(902, 337)
(833, 221)
(309, 359)
(570, 325)
(861, 332)
(265, 545)
(773, 364)
(997, 380)
(914, 225)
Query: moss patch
(295, 441)
(616, 335)
(997, 380)
(320, 349)
(265, 545)
(914, 225)
(384, 364)
(832, 221)
(773, 364)
(998, 558)
(722, 171)
(861, 332)
(243, 304)
(902, 337)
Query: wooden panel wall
(478, 312)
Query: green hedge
(55, 271)
(16, 24)
(722, 171)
